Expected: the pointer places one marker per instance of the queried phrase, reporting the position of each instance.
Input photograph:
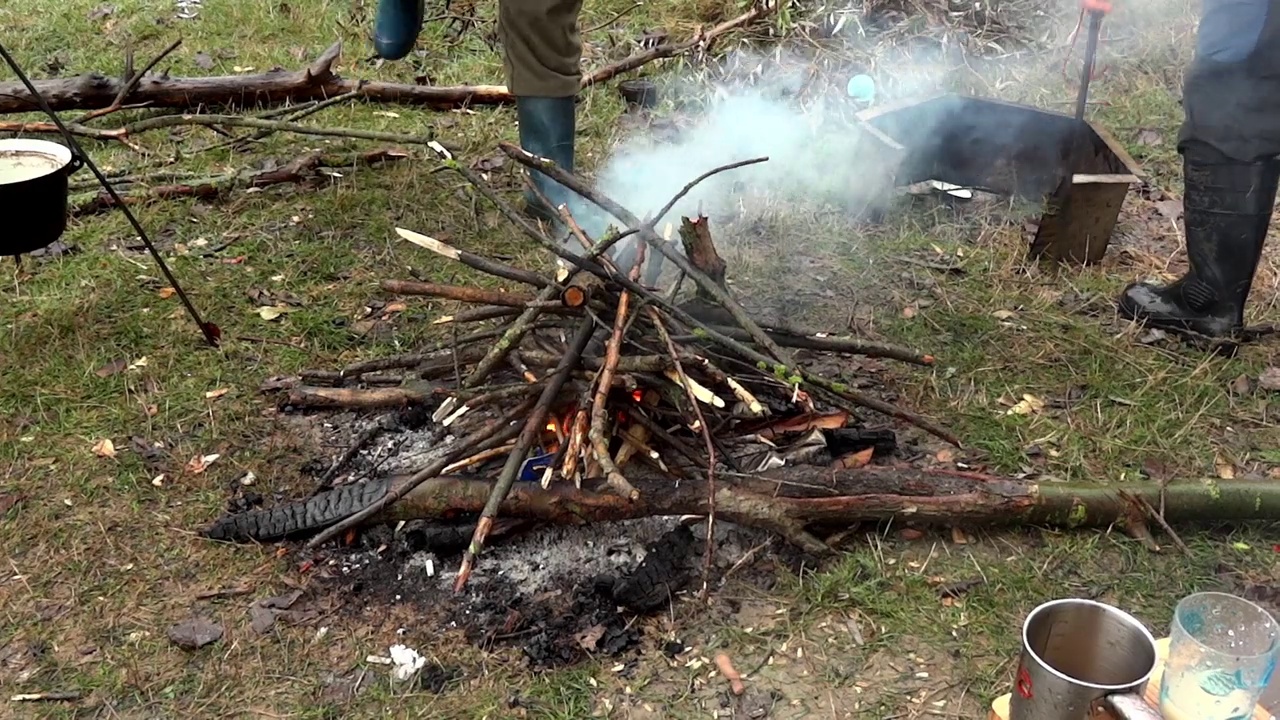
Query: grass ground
(100, 555)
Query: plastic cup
(1222, 653)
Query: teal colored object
(862, 88)
(396, 26)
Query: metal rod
(212, 334)
(1086, 74)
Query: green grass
(100, 559)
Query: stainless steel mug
(1076, 653)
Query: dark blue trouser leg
(1231, 96)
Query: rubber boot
(547, 128)
(396, 27)
(1227, 208)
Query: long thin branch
(709, 552)
(528, 434)
(599, 409)
(132, 129)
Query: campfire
(589, 373)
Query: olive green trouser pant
(541, 47)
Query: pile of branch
(589, 372)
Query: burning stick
(577, 436)
(474, 261)
(599, 412)
(533, 427)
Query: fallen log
(792, 502)
(317, 81)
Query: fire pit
(1011, 149)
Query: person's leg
(1229, 142)
(542, 54)
(396, 26)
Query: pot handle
(76, 163)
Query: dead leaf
(166, 293)
(393, 308)
(1150, 137)
(104, 448)
(909, 312)
(1002, 314)
(115, 366)
(200, 463)
(1225, 468)
(1270, 379)
(803, 424)
(945, 455)
(195, 633)
(272, 312)
(956, 589)
(215, 394)
(958, 536)
(203, 61)
(588, 639)
(264, 613)
(1157, 470)
(9, 501)
(1242, 385)
(101, 12)
(1027, 405)
(855, 460)
(489, 164)
(910, 534)
(1170, 209)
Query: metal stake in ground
(212, 334)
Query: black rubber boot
(547, 128)
(1227, 209)
(396, 27)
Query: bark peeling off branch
(806, 497)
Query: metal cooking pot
(33, 192)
